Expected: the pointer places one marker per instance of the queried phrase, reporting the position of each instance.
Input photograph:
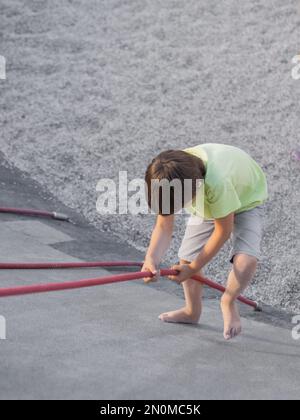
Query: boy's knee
(200, 272)
(243, 263)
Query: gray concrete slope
(107, 342)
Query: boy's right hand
(149, 265)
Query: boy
(235, 188)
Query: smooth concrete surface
(107, 342)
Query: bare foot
(181, 316)
(232, 320)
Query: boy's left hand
(185, 272)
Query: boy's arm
(221, 233)
(159, 243)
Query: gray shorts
(246, 236)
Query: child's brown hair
(173, 165)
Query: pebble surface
(94, 87)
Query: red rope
(48, 287)
(77, 284)
(32, 212)
(89, 264)
(25, 211)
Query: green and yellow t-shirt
(234, 182)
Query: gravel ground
(101, 86)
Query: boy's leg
(196, 235)
(244, 267)
(191, 312)
(247, 235)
